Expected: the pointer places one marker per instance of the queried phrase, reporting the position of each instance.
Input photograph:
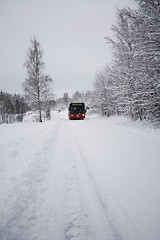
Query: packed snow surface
(95, 179)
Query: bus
(76, 111)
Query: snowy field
(97, 179)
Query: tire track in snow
(108, 229)
(74, 227)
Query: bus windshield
(77, 108)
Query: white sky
(71, 33)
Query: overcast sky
(71, 33)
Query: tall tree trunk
(39, 106)
(40, 114)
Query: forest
(130, 86)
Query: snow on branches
(131, 86)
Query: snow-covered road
(67, 180)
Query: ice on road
(67, 180)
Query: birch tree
(37, 84)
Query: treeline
(78, 96)
(131, 84)
(12, 108)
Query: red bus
(76, 111)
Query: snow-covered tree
(148, 38)
(78, 97)
(136, 60)
(12, 107)
(88, 99)
(124, 49)
(105, 96)
(36, 85)
(66, 99)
